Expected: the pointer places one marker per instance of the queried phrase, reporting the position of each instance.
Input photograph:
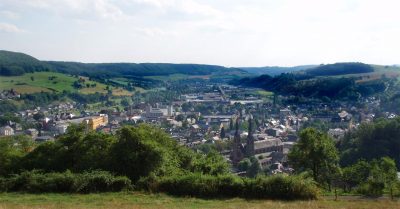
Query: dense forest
(14, 64)
(275, 70)
(309, 84)
(372, 140)
(339, 69)
(141, 69)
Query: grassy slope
(41, 82)
(140, 200)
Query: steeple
(250, 139)
(237, 128)
(237, 154)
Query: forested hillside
(13, 64)
(138, 69)
(339, 69)
(335, 81)
(275, 70)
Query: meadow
(53, 82)
(136, 200)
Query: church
(265, 149)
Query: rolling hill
(17, 69)
(275, 70)
(13, 63)
(54, 82)
(335, 81)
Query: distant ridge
(275, 70)
(14, 63)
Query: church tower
(250, 139)
(236, 155)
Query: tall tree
(315, 152)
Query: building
(6, 131)
(95, 122)
(61, 128)
(336, 133)
(268, 145)
(283, 113)
(158, 112)
(32, 132)
(237, 152)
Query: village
(234, 121)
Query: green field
(172, 77)
(139, 200)
(264, 93)
(53, 82)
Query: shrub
(101, 181)
(371, 188)
(275, 187)
(281, 187)
(202, 185)
(66, 182)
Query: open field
(172, 77)
(379, 72)
(264, 93)
(139, 200)
(53, 82)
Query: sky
(232, 33)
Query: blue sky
(223, 32)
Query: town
(241, 123)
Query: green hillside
(159, 71)
(144, 75)
(53, 82)
(334, 81)
(339, 69)
(275, 70)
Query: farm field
(53, 82)
(379, 72)
(138, 200)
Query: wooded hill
(334, 81)
(13, 64)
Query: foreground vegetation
(142, 200)
(140, 158)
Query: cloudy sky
(223, 32)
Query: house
(336, 133)
(6, 131)
(32, 132)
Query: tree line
(141, 158)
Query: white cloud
(9, 14)
(77, 9)
(9, 28)
(228, 32)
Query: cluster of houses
(9, 94)
(255, 126)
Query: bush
(202, 185)
(281, 187)
(66, 182)
(101, 181)
(371, 188)
(275, 187)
